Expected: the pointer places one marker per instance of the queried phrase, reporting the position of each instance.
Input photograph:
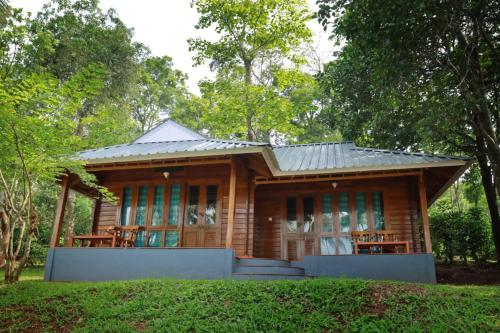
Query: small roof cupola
(168, 130)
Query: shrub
(463, 233)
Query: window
(327, 245)
(157, 217)
(344, 219)
(308, 204)
(291, 215)
(140, 239)
(154, 239)
(345, 245)
(361, 219)
(126, 210)
(326, 213)
(211, 207)
(193, 203)
(172, 238)
(175, 204)
(378, 210)
(142, 204)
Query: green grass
(320, 305)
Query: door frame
(201, 226)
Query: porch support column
(424, 214)
(61, 206)
(97, 211)
(232, 204)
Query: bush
(460, 233)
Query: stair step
(263, 262)
(244, 276)
(251, 269)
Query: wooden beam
(424, 214)
(232, 204)
(157, 164)
(97, 211)
(322, 178)
(61, 206)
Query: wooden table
(96, 239)
(370, 245)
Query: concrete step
(244, 276)
(280, 270)
(263, 262)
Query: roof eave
(176, 155)
(372, 168)
(450, 181)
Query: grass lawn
(319, 305)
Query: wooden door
(202, 218)
(299, 228)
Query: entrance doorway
(202, 216)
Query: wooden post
(424, 214)
(61, 206)
(97, 211)
(231, 205)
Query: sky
(165, 25)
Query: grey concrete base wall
(94, 264)
(401, 267)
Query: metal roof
(137, 149)
(289, 158)
(341, 155)
(169, 130)
(286, 159)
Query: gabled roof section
(168, 130)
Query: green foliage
(159, 91)
(419, 75)
(460, 233)
(330, 305)
(255, 37)
(247, 28)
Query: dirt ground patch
(25, 318)
(479, 274)
(380, 293)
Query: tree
(36, 144)
(158, 92)
(424, 71)
(4, 11)
(248, 29)
(84, 36)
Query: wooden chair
(388, 236)
(128, 236)
(361, 236)
(385, 236)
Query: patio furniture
(383, 239)
(361, 237)
(109, 236)
(95, 240)
(128, 234)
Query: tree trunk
(491, 198)
(248, 81)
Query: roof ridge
(205, 139)
(313, 144)
(402, 152)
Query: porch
(215, 218)
(101, 264)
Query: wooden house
(209, 208)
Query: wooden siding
(400, 210)
(259, 209)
